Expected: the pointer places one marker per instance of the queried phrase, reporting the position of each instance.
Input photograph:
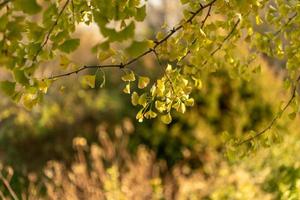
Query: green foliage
(213, 36)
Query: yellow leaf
(150, 114)
(127, 89)
(143, 82)
(160, 106)
(104, 55)
(89, 80)
(166, 119)
(64, 61)
(128, 77)
(134, 98)
(189, 102)
(143, 100)
(140, 116)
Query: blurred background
(86, 143)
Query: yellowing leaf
(134, 98)
(104, 55)
(140, 116)
(258, 20)
(150, 114)
(64, 61)
(89, 80)
(143, 82)
(189, 102)
(128, 77)
(126, 90)
(182, 108)
(166, 119)
(160, 88)
(160, 106)
(143, 100)
(29, 100)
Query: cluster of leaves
(206, 40)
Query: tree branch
(157, 44)
(295, 87)
(202, 25)
(50, 31)
(289, 101)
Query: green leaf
(100, 79)
(137, 47)
(21, 77)
(141, 13)
(8, 87)
(69, 45)
(292, 115)
(28, 6)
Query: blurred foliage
(85, 141)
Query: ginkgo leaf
(143, 100)
(89, 80)
(8, 87)
(126, 90)
(21, 77)
(104, 55)
(69, 45)
(100, 79)
(160, 106)
(189, 102)
(143, 82)
(140, 116)
(64, 61)
(29, 100)
(182, 108)
(150, 114)
(128, 77)
(28, 6)
(166, 119)
(134, 98)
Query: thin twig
(157, 44)
(289, 101)
(166, 74)
(202, 25)
(287, 23)
(50, 31)
(276, 117)
(228, 36)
